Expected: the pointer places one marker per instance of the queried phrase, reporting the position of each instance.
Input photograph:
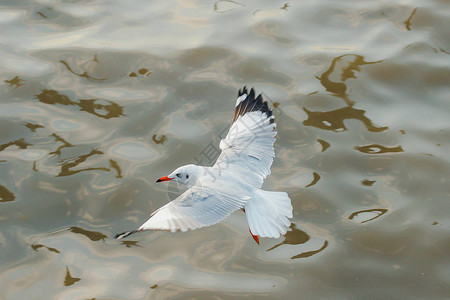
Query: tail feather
(268, 213)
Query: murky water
(99, 99)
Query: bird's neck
(198, 174)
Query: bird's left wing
(195, 208)
(247, 150)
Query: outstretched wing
(197, 207)
(247, 150)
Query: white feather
(268, 213)
(240, 99)
(248, 147)
(197, 207)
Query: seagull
(233, 182)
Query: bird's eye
(187, 176)
(178, 175)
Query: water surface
(99, 99)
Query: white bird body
(233, 182)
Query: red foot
(243, 209)
(255, 237)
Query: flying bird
(233, 182)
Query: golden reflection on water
(32, 126)
(113, 164)
(16, 82)
(6, 195)
(19, 143)
(64, 145)
(113, 110)
(339, 88)
(378, 213)
(310, 253)
(334, 120)
(293, 237)
(367, 182)
(297, 237)
(92, 235)
(408, 21)
(285, 6)
(378, 149)
(159, 140)
(69, 164)
(315, 179)
(68, 279)
(141, 71)
(35, 247)
(325, 145)
(218, 9)
(130, 244)
(84, 74)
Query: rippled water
(99, 99)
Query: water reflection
(69, 280)
(92, 235)
(293, 237)
(368, 214)
(16, 82)
(297, 237)
(223, 6)
(35, 247)
(84, 74)
(68, 165)
(315, 179)
(130, 244)
(141, 71)
(339, 88)
(42, 15)
(408, 21)
(378, 149)
(112, 109)
(19, 143)
(159, 140)
(310, 253)
(64, 145)
(334, 120)
(32, 126)
(113, 164)
(285, 6)
(6, 195)
(53, 97)
(367, 182)
(325, 145)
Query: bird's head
(186, 175)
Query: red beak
(165, 178)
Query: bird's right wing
(195, 208)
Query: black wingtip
(250, 103)
(124, 234)
(244, 91)
(251, 96)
